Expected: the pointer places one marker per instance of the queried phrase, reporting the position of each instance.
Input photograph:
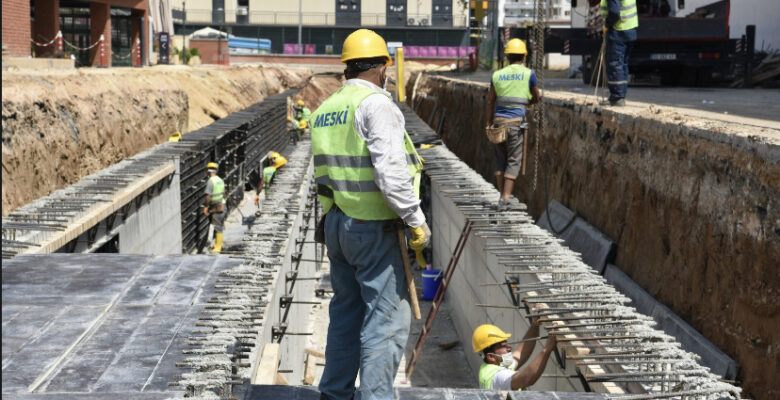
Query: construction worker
(292, 128)
(275, 161)
(620, 24)
(500, 370)
(174, 137)
(215, 204)
(302, 126)
(302, 113)
(512, 89)
(367, 173)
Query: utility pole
(300, 26)
(184, 33)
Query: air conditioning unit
(242, 10)
(410, 21)
(424, 22)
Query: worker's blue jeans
(618, 51)
(369, 311)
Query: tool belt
(217, 208)
(390, 225)
(496, 133)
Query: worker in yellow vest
(500, 369)
(512, 90)
(620, 25)
(367, 173)
(275, 161)
(215, 204)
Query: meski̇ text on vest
(332, 118)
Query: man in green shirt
(500, 369)
(275, 161)
(215, 204)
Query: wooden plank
(280, 380)
(310, 373)
(103, 210)
(314, 352)
(267, 365)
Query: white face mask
(506, 359)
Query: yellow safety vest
(342, 163)
(218, 190)
(628, 15)
(511, 85)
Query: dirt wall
(61, 126)
(693, 205)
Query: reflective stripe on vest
(342, 161)
(217, 190)
(268, 174)
(512, 86)
(628, 14)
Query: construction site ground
(757, 107)
(684, 180)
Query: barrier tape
(81, 48)
(59, 34)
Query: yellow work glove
(604, 30)
(420, 258)
(421, 236)
(427, 145)
(206, 211)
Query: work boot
(613, 102)
(503, 205)
(217, 244)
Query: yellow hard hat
(302, 124)
(487, 335)
(277, 160)
(364, 43)
(175, 137)
(515, 46)
(212, 165)
(300, 102)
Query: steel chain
(537, 36)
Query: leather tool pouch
(496, 133)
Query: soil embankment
(60, 126)
(694, 205)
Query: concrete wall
(475, 268)
(155, 226)
(693, 206)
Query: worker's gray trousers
(218, 220)
(369, 311)
(618, 50)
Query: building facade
(432, 26)
(31, 28)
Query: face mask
(506, 359)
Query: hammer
(408, 270)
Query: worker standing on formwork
(292, 129)
(215, 204)
(275, 161)
(512, 90)
(367, 173)
(500, 368)
(620, 24)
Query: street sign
(164, 49)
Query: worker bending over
(215, 204)
(302, 113)
(512, 90)
(620, 24)
(275, 161)
(367, 173)
(500, 370)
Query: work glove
(257, 201)
(421, 236)
(206, 211)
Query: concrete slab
(100, 326)
(531, 395)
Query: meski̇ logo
(512, 77)
(331, 118)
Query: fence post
(102, 51)
(59, 41)
(138, 52)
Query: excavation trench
(693, 205)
